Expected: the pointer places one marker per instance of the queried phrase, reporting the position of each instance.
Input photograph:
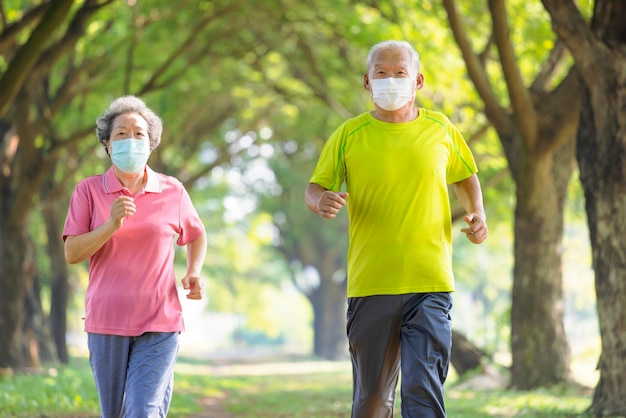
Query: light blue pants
(134, 375)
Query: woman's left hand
(194, 285)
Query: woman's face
(128, 125)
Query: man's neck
(405, 114)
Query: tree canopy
(249, 92)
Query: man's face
(391, 62)
(395, 63)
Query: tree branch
(152, 83)
(569, 25)
(549, 68)
(477, 73)
(75, 31)
(563, 105)
(10, 33)
(3, 16)
(518, 93)
(26, 58)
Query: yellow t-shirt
(399, 209)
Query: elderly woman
(125, 221)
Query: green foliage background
(249, 91)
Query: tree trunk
(59, 282)
(23, 161)
(315, 247)
(602, 160)
(536, 127)
(599, 52)
(329, 308)
(22, 172)
(329, 325)
(465, 356)
(13, 287)
(37, 345)
(539, 348)
(11, 261)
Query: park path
(214, 406)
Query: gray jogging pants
(409, 334)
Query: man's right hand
(330, 203)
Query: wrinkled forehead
(392, 57)
(130, 120)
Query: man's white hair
(415, 58)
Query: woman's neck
(133, 182)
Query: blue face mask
(130, 155)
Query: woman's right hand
(121, 208)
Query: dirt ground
(214, 406)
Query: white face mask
(392, 93)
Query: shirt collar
(113, 185)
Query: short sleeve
(461, 164)
(191, 226)
(78, 219)
(330, 171)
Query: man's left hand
(477, 230)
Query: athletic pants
(134, 375)
(389, 334)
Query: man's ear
(419, 79)
(366, 82)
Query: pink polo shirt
(132, 286)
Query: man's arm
(470, 195)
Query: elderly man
(396, 162)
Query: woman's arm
(196, 251)
(80, 247)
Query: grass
(560, 401)
(53, 391)
(279, 390)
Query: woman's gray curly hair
(129, 104)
